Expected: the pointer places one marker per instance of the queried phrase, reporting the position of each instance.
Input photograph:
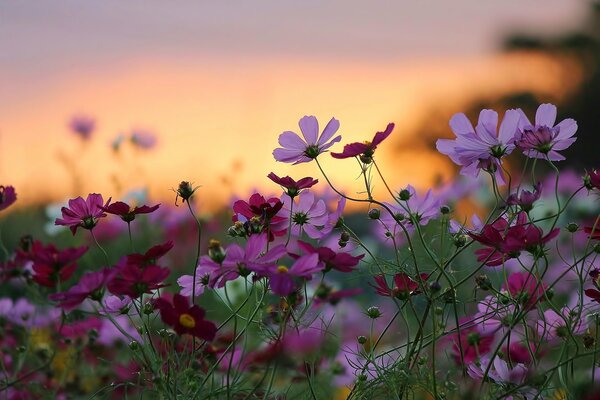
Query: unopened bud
(404, 195)
(373, 312)
(572, 227)
(374, 213)
(361, 339)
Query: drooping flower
(404, 285)
(127, 212)
(83, 126)
(51, 265)
(7, 196)
(526, 198)
(544, 139)
(281, 278)
(329, 259)
(297, 150)
(307, 215)
(83, 213)
(185, 319)
(151, 256)
(366, 149)
(291, 186)
(481, 147)
(90, 285)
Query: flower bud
(361, 339)
(445, 209)
(572, 227)
(449, 296)
(134, 345)
(345, 236)
(588, 341)
(185, 190)
(435, 286)
(341, 243)
(404, 195)
(460, 240)
(362, 377)
(483, 282)
(373, 312)
(216, 251)
(374, 213)
(148, 308)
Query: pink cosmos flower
(296, 150)
(526, 198)
(329, 259)
(281, 278)
(307, 214)
(83, 126)
(481, 147)
(556, 326)
(7, 196)
(421, 209)
(366, 150)
(404, 285)
(499, 372)
(51, 265)
(525, 288)
(334, 219)
(83, 213)
(544, 139)
(473, 342)
(90, 285)
(133, 281)
(259, 214)
(292, 187)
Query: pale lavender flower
(333, 219)
(117, 305)
(481, 147)
(83, 126)
(500, 372)
(544, 139)
(296, 150)
(421, 209)
(555, 326)
(308, 215)
(143, 139)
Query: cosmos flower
(526, 198)
(404, 285)
(366, 149)
(292, 187)
(133, 281)
(544, 139)
(7, 196)
(185, 319)
(340, 261)
(143, 139)
(525, 288)
(307, 214)
(281, 278)
(473, 342)
(51, 265)
(83, 126)
(296, 150)
(83, 213)
(90, 285)
(481, 147)
(127, 212)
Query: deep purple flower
(292, 187)
(90, 285)
(307, 214)
(127, 212)
(185, 319)
(544, 139)
(133, 281)
(7, 196)
(83, 213)
(526, 198)
(481, 147)
(365, 149)
(150, 256)
(83, 126)
(51, 265)
(296, 150)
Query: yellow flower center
(187, 320)
(282, 269)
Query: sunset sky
(219, 81)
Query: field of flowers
(291, 297)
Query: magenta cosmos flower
(481, 147)
(7, 196)
(90, 285)
(292, 187)
(127, 212)
(365, 149)
(404, 285)
(51, 265)
(296, 150)
(185, 319)
(83, 213)
(544, 139)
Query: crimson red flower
(291, 186)
(263, 211)
(473, 343)
(127, 212)
(7, 196)
(404, 285)
(185, 319)
(592, 180)
(342, 261)
(525, 288)
(51, 265)
(151, 256)
(90, 285)
(133, 281)
(593, 232)
(83, 213)
(365, 149)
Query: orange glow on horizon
(217, 123)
